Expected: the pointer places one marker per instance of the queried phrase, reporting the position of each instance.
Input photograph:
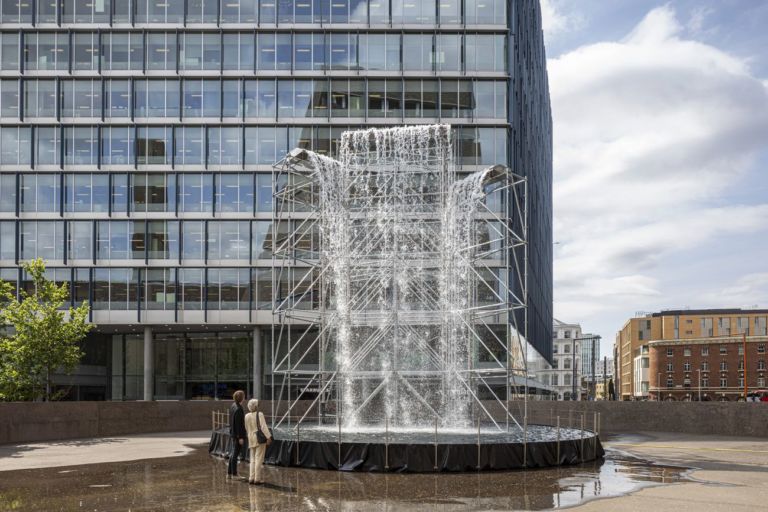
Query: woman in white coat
(254, 421)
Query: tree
(38, 337)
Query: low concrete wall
(720, 418)
(29, 422)
(40, 421)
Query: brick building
(663, 355)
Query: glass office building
(138, 138)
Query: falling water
(396, 242)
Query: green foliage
(38, 338)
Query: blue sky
(660, 114)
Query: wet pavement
(196, 482)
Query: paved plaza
(174, 471)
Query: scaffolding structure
(399, 286)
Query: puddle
(197, 482)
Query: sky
(660, 113)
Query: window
(670, 352)
(740, 350)
(154, 192)
(741, 365)
(705, 382)
(261, 239)
(489, 99)
(421, 98)
(202, 11)
(9, 99)
(202, 98)
(761, 364)
(15, 144)
(686, 383)
(83, 11)
(450, 12)
(161, 51)
(343, 51)
(7, 245)
(239, 50)
(115, 288)
(417, 52)
(405, 12)
(228, 240)
(159, 11)
(723, 350)
(15, 11)
(234, 193)
(239, 11)
(761, 382)
(260, 98)
(566, 348)
(120, 240)
(232, 98)
(42, 51)
(228, 288)
(191, 283)
(704, 351)
(723, 326)
(200, 51)
(555, 380)
(80, 240)
(39, 193)
(385, 98)
(47, 146)
(224, 146)
(193, 240)
(85, 51)
(723, 366)
(485, 12)
(380, 52)
(706, 327)
(274, 51)
(723, 382)
(687, 352)
(163, 239)
(81, 145)
(705, 366)
(670, 367)
(196, 192)
(81, 98)
(566, 364)
(742, 325)
(153, 145)
(44, 239)
(119, 193)
(448, 52)
(117, 94)
(156, 98)
(160, 289)
(86, 192)
(40, 98)
(122, 51)
(670, 382)
(760, 326)
(190, 145)
(117, 145)
(309, 51)
(687, 366)
(8, 193)
(761, 348)
(485, 52)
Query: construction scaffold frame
(306, 381)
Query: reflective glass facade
(137, 139)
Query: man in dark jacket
(237, 432)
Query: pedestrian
(256, 424)
(237, 433)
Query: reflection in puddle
(197, 482)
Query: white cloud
(554, 20)
(651, 135)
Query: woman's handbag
(260, 437)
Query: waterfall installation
(400, 294)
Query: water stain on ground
(197, 482)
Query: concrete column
(258, 372)
(149, 365)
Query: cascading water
(396, 240)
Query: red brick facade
(674, 368)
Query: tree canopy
(39, 337)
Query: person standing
(256, 424)
(237, 433)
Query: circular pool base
(421, 451)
